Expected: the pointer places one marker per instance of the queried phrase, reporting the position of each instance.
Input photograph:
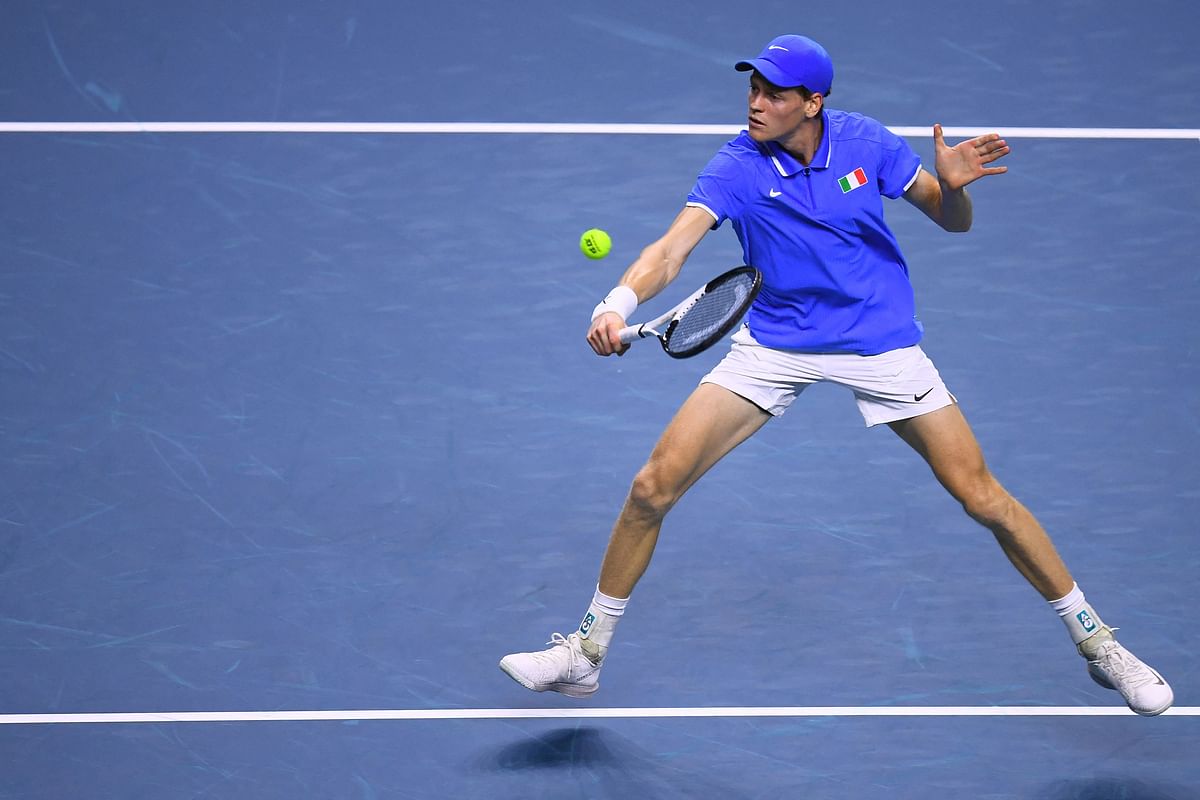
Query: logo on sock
(586, 625)
(1085, 619)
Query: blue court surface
(299, 433)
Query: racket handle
(633, 333)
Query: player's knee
(651, 494)
(988, 503)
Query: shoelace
(548, 659)
(1114, 660)
(579, 657)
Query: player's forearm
(660, 261)
(656, 267)
(955, 213)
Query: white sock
(1081, 619)
(596, 629)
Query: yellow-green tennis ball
(595, 243)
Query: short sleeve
(716, 188)
(898, 164)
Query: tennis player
(803, 188)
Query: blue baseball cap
(791, 61)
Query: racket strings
(711, 314)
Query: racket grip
(632, 334)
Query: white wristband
(621, 300)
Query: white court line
(557, 128)
(583, 713)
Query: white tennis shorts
(899, 384)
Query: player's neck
(805, 140)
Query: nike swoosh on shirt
(774, 193)
(919, 397)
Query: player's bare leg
(946, 442)
(710, 423)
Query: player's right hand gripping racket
(703, 318)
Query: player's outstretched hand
(967, 161)
(604, 335)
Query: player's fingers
(597, 340)
(987, 158)
(992, 143)
(615, 344)
(604, 336)
(938, 139)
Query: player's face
(775, 113)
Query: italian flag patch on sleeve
(853, 180)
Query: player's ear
(814, 104)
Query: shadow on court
(1114, 788)
(604, 764)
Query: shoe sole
(1101, 680)
(569, 689)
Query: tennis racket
(703, 318)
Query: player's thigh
(945, 440)
(709, 424)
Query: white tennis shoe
(1114, 667)
(564, 668)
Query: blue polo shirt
(834, 279)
